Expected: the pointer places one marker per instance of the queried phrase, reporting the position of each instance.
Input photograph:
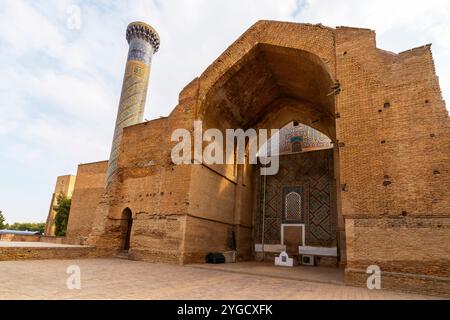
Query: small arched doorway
(126, 226)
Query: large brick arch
(270, 61)
(275, 73)
(390, 125)
(316, 39)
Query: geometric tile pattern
(311, 176)
(301, 138)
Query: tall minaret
(144, 42)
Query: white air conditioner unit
(307, 260)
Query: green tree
(27, 226)
(2, 221)
(62, 214)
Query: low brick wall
(6, 237)
(31, 238)
(26, 238)
(44, 253)
(50, 239)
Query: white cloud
(60, 87)
(23, 28)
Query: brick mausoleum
(364, 173)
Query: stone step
(123, 255)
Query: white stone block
(283, 260)
(230, 256)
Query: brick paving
(124, 279)
(310, 274)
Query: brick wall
(88, 189)
(395, 163)
(392, 166)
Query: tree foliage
(62, 214)
(2, 221)
(27, 226)
(22, 226)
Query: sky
(62, 64)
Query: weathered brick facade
(64, 186)
(391, 132)
(88, 188)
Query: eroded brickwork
(64, 186)
(395, 151)
(88, 188)
(383, 111)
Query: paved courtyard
(124, 279)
